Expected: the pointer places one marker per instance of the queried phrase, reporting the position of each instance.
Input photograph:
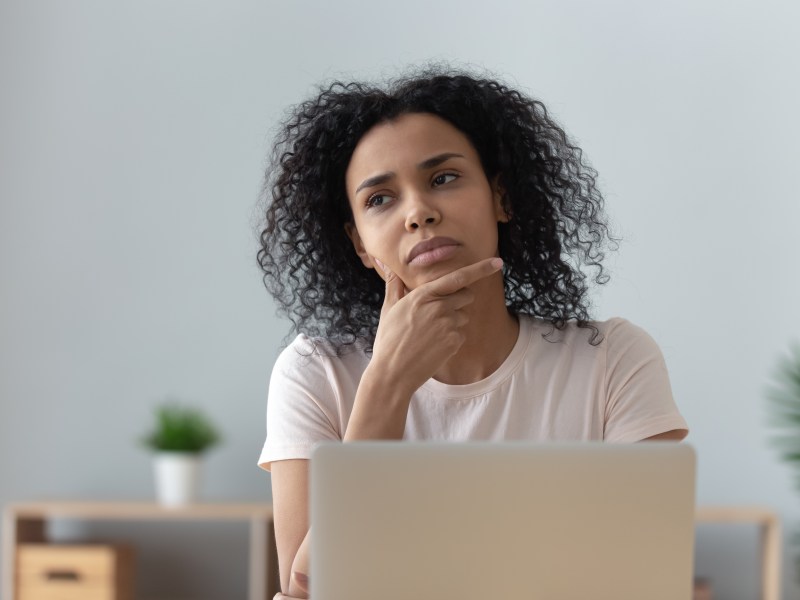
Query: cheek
(369, 246)
(369, 253)
(376, 242)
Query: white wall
(132, 139)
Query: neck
(490, 336)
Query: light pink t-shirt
(555, 389)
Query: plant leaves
(181, 429)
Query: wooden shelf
(26, 523)
(146, 511)
(770, 533)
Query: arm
(676, 435)
(290, 513)
(290, 482)
(418, 332)
(639, 401)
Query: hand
(420, 330)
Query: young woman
(428, 239)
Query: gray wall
(132, 140)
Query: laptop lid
(400, 520)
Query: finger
(460, 319)
(395, 288)
(465, 276)
(378, 262)
(457, 300)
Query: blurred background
(133, 138)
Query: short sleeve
(639, 402)
(300, 405)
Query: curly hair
(557, 225)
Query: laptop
(471, 521)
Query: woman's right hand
(420, 330)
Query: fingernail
(381, 265)
(497, 263)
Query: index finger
(465, 276)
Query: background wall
(132, 141)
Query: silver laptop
(464, 521)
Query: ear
(352, 233)
(498, 195)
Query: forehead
(403, 142)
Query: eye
(378, 200)
(444, 178)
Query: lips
(427, 248)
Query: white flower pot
(177, 477)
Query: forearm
(380, 408)
(379, 413)
(298, 576)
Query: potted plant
(180, 437)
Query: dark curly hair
(557, 223)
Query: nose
(421, 213)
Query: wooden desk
(23, 523)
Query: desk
(24, 523)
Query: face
(420, 199)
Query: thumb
(395, 288)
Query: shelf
(770, 532)
(147, 511)
(26, 522)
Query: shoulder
(618, 328)
(597, 335)
(311, 355)
(621, 337)
(302, 350)
(608, 345)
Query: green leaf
(181, 429)
(783, 403)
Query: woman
(427, 240)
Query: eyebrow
(435, 161)
(428, 163)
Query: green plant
(784, 399)
(784, 404)
(181, 429)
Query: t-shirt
(553, 386)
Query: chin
(429, 273)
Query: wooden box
(74, 572)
